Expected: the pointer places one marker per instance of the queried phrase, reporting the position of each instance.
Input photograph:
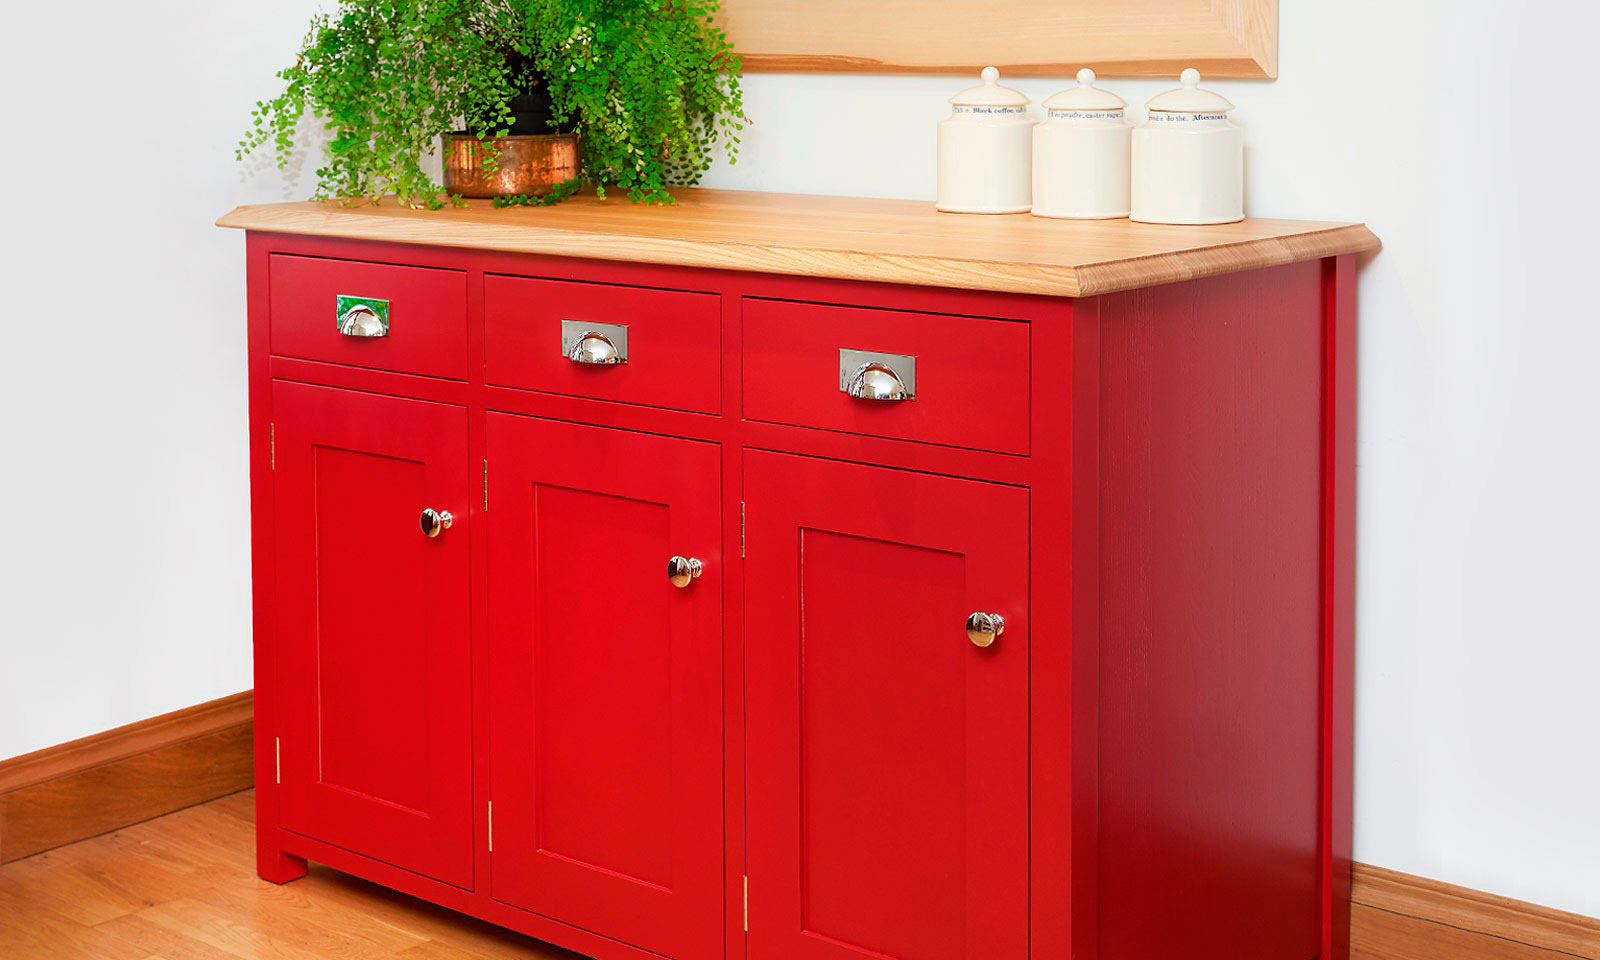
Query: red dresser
(794, 578)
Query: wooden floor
(183, 887)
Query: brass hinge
(272, 445)
(491, 826)
(747, 903)
(277, 760)
(485, 484)
(741, 528)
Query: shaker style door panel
(606, 690)
(373, 626)
(887, 750)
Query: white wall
(1441, 124)
(124, 564)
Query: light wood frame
(1221, 38)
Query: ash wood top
(890, 241)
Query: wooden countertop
(891, 241)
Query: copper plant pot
(528, 164)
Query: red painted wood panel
(606, 706)
(373, 629)
(427, 314)
(1210, 618)
(972, 373)
(888, 755)
(1064, 550)
(272, 863)
(674, 351)
(1338, 598)
(1212, 781)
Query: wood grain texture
(1381, 935)
(126, 741)
(890, 241)
(110, 780)
(1477, 912)
(1231, 38)
(183, 887)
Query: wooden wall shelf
(1224, 38)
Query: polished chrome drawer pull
(877, 376)
(594, 343)
(361, 316)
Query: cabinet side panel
(1210, 618)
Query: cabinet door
(887, 752)
(606, 691)
(372, 626)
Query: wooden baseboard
(1401, 917)
(111, 780)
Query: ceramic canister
(1188, 159)
(1081, 154)
(985, 149)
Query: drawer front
(665, 344)
(417, 315)
(971, 374)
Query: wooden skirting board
(118, 778)
(110, 780)
(1401, 917)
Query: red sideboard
(797, 578)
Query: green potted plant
(641, 91)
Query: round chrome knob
(594, 347)
(876, 381)
(983, 628)
(436, 521)
(680, 570)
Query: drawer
(426, 328)
(970, 374)
(665, 345)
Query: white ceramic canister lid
(1085, 98)
(1189, 98)
(989, 94)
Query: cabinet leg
(275, 866)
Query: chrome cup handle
(361, 316)
(591, 342)
(877, 381)
(361, 321)
(594, 347)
